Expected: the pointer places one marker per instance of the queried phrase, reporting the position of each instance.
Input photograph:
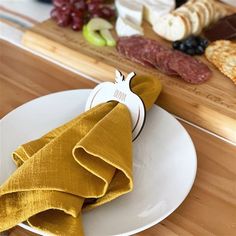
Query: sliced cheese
(171, 27)
(124, 27)
(131, 10)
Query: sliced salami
(128, 46)
(151, 53)
(190, 69)
(162, 62)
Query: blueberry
(204, 43)
(176, 44)
(198, 39)
(191, 42)
(190, 51)
(180, 2)
(200, 50)
(182, 47)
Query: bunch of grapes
(78, 12)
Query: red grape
(63, 19)
(66, 8)
(78, 12)
(96, 13)
(54, 13)
(80, 5)
(96, 1)
(59, 3)
(107, 12)
(93, 7)
(77, 23)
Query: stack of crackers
(191, 18)
(222, 54)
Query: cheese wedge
(171, 3)
(171, 27)
(131, 10)
(153, 9)
(124, 27)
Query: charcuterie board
(211, 105)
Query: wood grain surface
(211, 105)
(24, 77)
(209, 209)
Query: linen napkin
(77, 166)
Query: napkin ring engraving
(120, 91)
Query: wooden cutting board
(211, 105)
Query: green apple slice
(106, 34)
(98, 24)
(93, 37)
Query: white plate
(164, 162)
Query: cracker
(194, 16)
(186, 20)
(229, 67)
(211, 5)
(222, 54)
(206, 11)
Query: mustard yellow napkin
(80, 165)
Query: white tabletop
(24, 13)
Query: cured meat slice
(139, 49)
(162, 62)
(130, 49)
(150, 53)
(146, 52)
(189, 68)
